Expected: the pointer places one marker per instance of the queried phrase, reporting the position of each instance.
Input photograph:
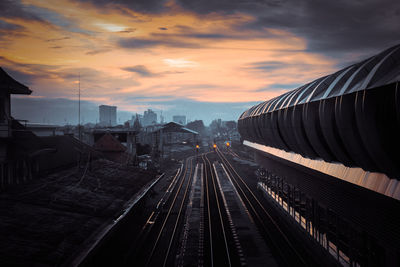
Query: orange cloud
(218, 64)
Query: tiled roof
(108, 143)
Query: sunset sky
(206, 59)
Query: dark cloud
(228, 6)
(26, 73)
(20, 76)
(58, 39)
(197, 35)
(137, 43)
(10, 30)
(163, 28)
(16, 10)
(141, 70)
(55, 19)
(50, 16)
(56, 47)
(184, 31)
(129, 30)
(145, 6)
(5, 26)
(87, 74)
(269, 65)
(209, 36)
(328, 26)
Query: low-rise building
(112, 149)
(174, 133)
(25, 155)
(8, 86)
(44, 129)
(169, 137)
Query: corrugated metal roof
(350, 116)
(378, 70)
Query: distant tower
(108, 115)
(79, 107)
(161, 118)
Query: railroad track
(192, 222)
(218, 242)
(158, 239)
(284, 249)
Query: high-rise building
(108, 115)
(181, 119)
(149, 117)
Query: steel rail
(282, 253)
(208, 212)
(180, 211)
(168, 213)
(205, 158)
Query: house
(8, 86)
(23, 154)
(112, 149)
(126, 136)
(175, 133)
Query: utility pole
(79, 108)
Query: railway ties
(202, 221)
(161, 237)
(286, 252)
(191, 246)
(219, 242)
(248, 241)
(218, 229)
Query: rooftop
(12, 86)
(108, 143)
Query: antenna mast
(79, 108)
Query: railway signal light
(228, 144)
(197, 146)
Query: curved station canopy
(351, 117)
